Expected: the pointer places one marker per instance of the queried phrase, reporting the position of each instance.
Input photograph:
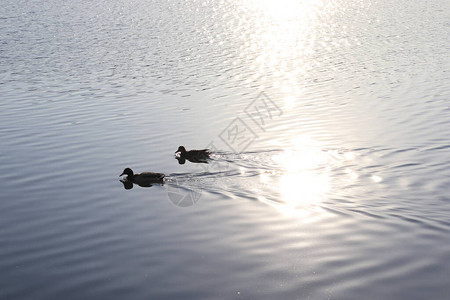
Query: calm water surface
(330, 122)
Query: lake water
(329, 122)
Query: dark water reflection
(337, 185)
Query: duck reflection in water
(145, 179)
(194, 156)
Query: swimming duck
(144, 179)
(196, 156)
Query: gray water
(329, 122)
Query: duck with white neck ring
(195, 156)
(144, 179)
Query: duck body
(144, 179)
(193, 155)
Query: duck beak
(121, 174)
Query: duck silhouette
(194, 156)
(144, 179)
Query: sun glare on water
(304, 179)
(282, 39)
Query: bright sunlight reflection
(284, 39)
(305, 177)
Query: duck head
(128, 172)
(181, 149)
